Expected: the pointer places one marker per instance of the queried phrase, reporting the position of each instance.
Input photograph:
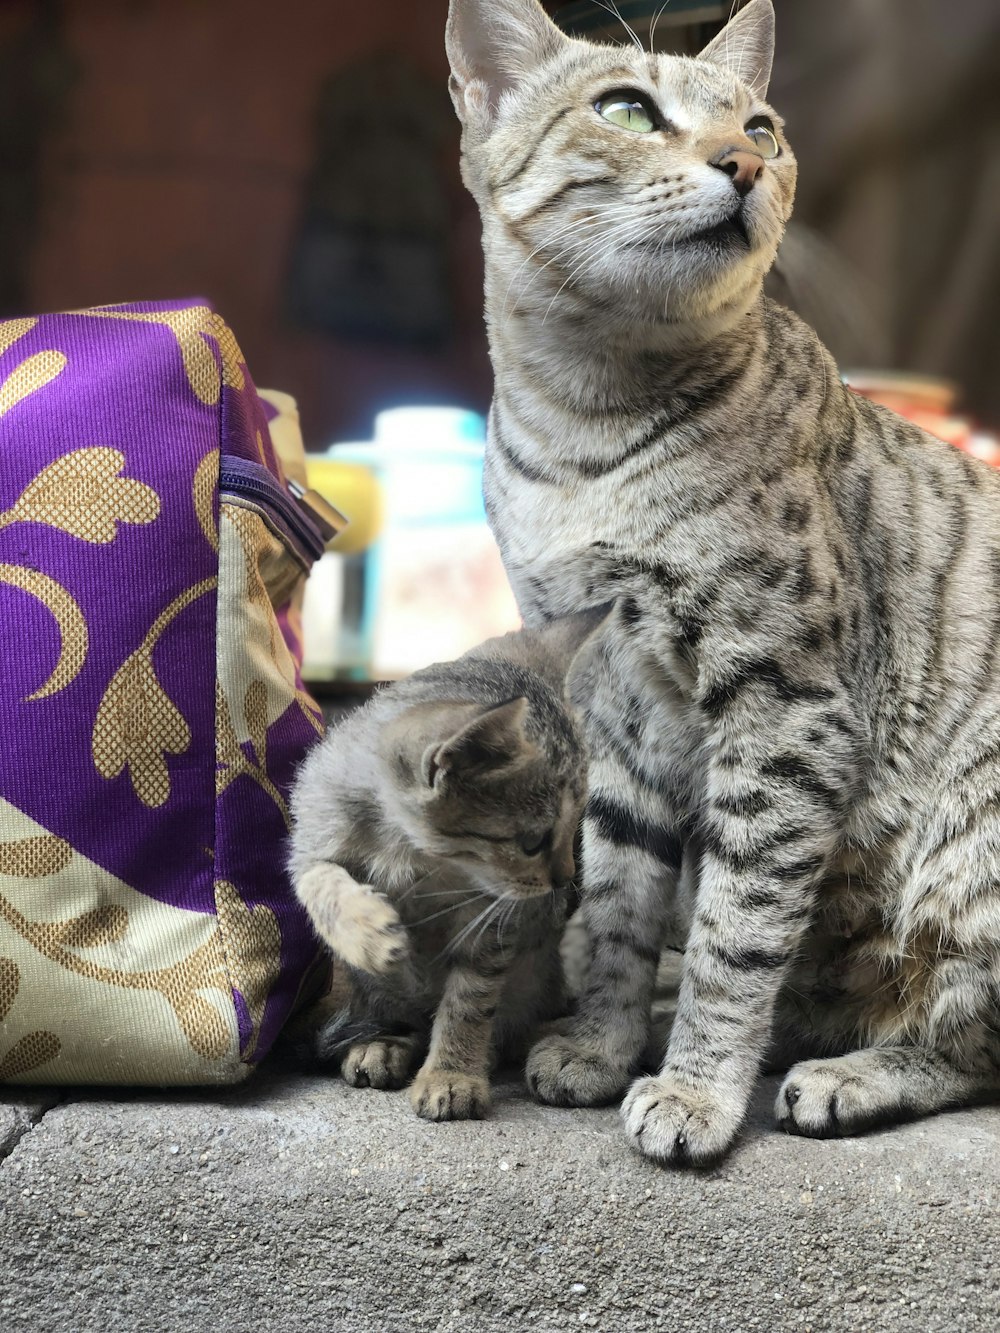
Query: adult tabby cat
(433, 833)
(800, 684)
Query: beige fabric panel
(99, 983)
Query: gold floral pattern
(61, 941)
(35, 857)
(272, 578)
(191, 327)
(108, 968)
(73, 636)
(32, 1050)
(13, 329)
(10, 979)
(252, 943)
(29, 1054)
(82, 494)
(30, 376)
(134, 990)
(137, 723)
(206, 480)
(231, 761)
(286, 434)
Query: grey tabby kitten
(800, 687)
(433, 835)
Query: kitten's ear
(745, 46)
(491, 44)
(566, 638)
(491, 740)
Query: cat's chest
(568, 497)
(571, 545)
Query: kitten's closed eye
(535, 845)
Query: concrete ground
(296, 1203)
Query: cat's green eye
(629, 111)
(534, 846)
(760, 132)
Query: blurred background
(298, 165)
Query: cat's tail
(357, 922)
(325, 1047)
(318, 1040)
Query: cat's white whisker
(602, 217)
(446, 911)
(582, 261)
(612, 8)
(424, 879)
(654, 25)
(466, 931)
(508, 916)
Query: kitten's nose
(563, 872)
(745, 169)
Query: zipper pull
(329, 520)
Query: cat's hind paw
(566, 1072)
(383, 1063)
(679, 1125)
(441, 1094)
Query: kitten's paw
(360, 926)
(827, 1098)
(676, 1124)
(384, 1063)
(566, 1072)
(441, 1094)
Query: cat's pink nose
(745, 169)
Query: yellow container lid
(355, 491)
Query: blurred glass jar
(424, 581)
(335, 632)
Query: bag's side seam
(217, 688)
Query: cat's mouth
(730, 231)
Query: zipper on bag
(303, 518)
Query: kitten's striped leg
(631, 858)
(454, 1080)
(878, 1086)
(771, 827)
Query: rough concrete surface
(19, 1112)
(296, 1203)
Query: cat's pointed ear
(491, 44)
(564, 641)
(491, 740)
(745, 46)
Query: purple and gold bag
(152, 560)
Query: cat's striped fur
(800, 687)
(433, 836)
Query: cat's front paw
(384, 1063)
(564, 1071)
(359, 924)
(677, 1124)
(442, 1094)
(824, 1099)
